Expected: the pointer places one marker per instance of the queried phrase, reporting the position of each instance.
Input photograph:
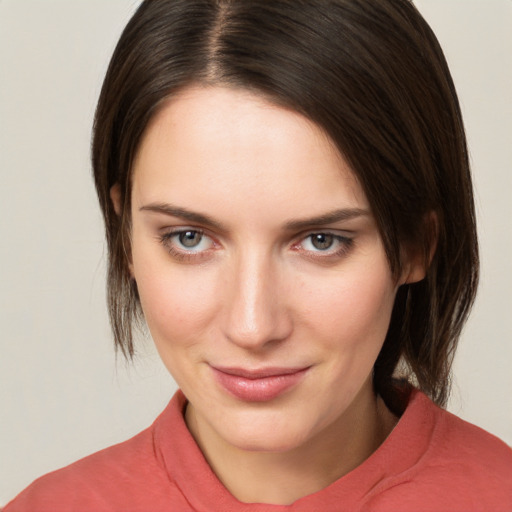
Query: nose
(256, 313)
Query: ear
(418, 256)
(115, 197)
(415, 268)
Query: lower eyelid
(343, 246)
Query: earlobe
(414, 272)
(115, 197)
(419, 257)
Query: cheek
(353, 309)
(351, 322)
(178, 303)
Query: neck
(280, 478)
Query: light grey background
(62, 394)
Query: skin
(253, 291)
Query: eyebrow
(183, 213)
(292, 225)
(326, 218)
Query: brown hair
(370, 73)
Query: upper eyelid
(339, 234)
(193, 227)
(181, 229)
(171, 231)
(333, 230)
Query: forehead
(208, 143)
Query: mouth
(259, 385)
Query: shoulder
(128, 476)
(460, 444)
(460, 468)
(88, 481)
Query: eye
(189, 239)
(321, 241)
(181, 243)
(324, 244)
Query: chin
(264, 434)
(270, 444)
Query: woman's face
(260, 269)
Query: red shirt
(432, 461)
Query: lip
(258, 385)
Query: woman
(288, 206)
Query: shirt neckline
(188, 469)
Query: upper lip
(259, 373)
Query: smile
(259, 385)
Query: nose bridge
(256, 314)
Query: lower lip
(258, 390)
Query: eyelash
(345, 244)
(182, 255)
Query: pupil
(322, 241)
(190, 238)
